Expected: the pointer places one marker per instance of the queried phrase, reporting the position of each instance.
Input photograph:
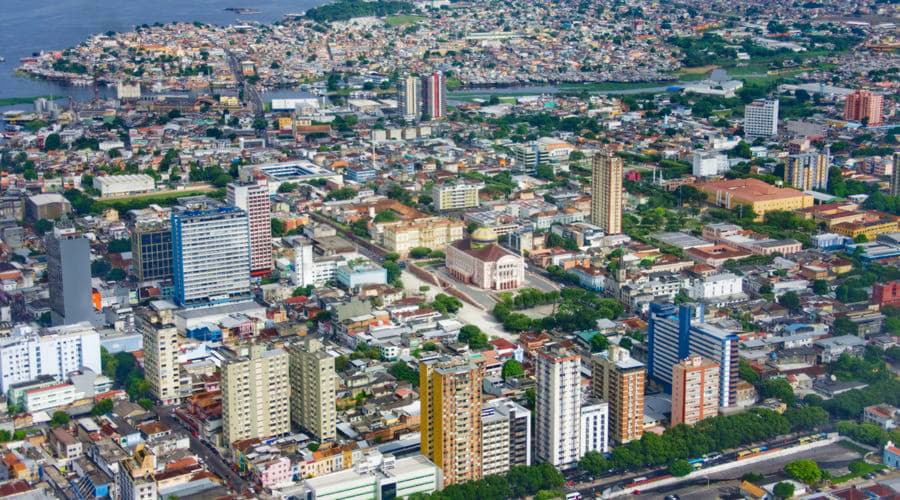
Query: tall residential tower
(409, 97)
(618, 379)
(313, 388)
(255, 393)
(606, 192)
(253, 198)
(69, 276)
(557, 406)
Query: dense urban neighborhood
(457, 249)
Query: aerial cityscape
(450, 250)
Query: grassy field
(861, 469)
(602, 86)
(401, 20)
(144, 200)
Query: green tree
(402, 371)
(777, 388)
(42, 226)
(116, 275)
(790, 300)
(52, 142)
(60, 418)
(278, 228)
(594, 463)
(512, 369)
(103, 407)
(783, 490)
(419, 252)
(444, 303)
(804, 470)
(820, 287)
(599, 343)
(680, 467)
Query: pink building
(480, 261)
(864, 106)
(253, 198)
(273, 473)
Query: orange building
(619, 379)
(695, 390)
(864, 106)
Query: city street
(210, 457)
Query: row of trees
(578, 309)
(521, 481)
(682, 442)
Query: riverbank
(13, 101)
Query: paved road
(210, 456)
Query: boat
(242, 10)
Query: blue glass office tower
(676, 332)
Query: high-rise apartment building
(618, 379)
(456, 195)
(151, 250)
(161, 343)
(761, 119)
(69, 276)
(210, 253)
(594, 428)
(494, 443)
(674, 333)
(253, 198)
(695, 390)
(606, 192)
(434, 91)
(895, 176)
(26, 353)
(255, 393)
(450, 400)
(865, 106)
(409, 97)
(519, 419)
(313, 382)
(807, 171)
(557, 406)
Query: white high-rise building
(311, 269)
(558, 407)
(761, 119)
(595, 426)
(210, 253)
(410, 97)
(253, 198)
(27, 354)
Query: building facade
(754, 194)
(761, 119)
(160, 345)
(434, 92)
(695, 390)
(409, 97)
(69, 276)
(675, 333)
(864, 106)
(151, 250)
(808, 171)
(594, 426)
(313, 385)
(210, 254)
(481, 261)
(456, 196)
(451, 433)
(253, 198)
(557, 406)
(606, 192)
(895, 176)
(255, 393)
(432, 232)
(519, 419)
(494, 443)
(618, 379)
(27, 354)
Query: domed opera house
(479, 260)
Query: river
(27, 26)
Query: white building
(709, 163)
(761, 119)
(27, 354)
(253, 198)
(558, 407)
(47, 398)
(403, 477)
(119, 185)
(310, 269)
(594, 426)
(717, 286)
(494, 443)
(210, 253)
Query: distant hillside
(348, 9)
